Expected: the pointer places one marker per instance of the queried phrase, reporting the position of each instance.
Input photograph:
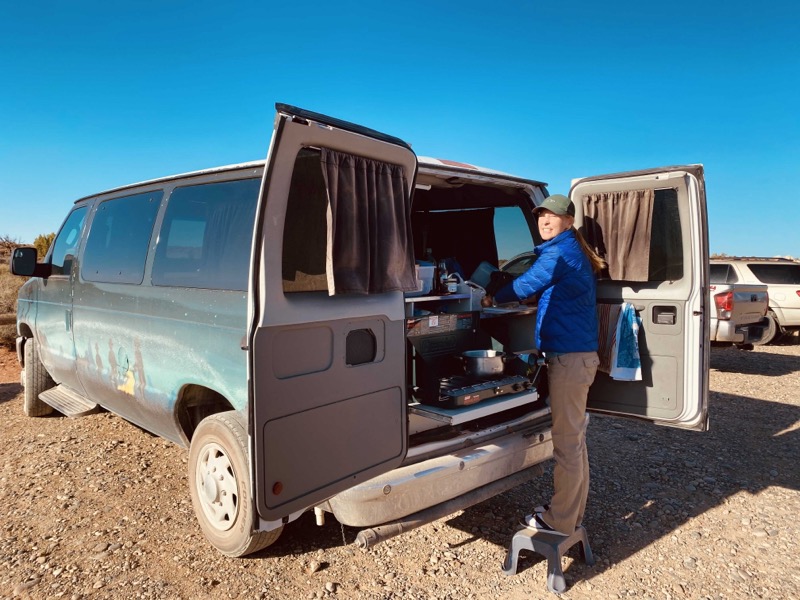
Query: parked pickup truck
(738, 310)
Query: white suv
(782, 276)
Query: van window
(305, 230)
(66, 243)
(666, 241)
(206, 236)
(119, 237)
(512, 232)
(776, 273)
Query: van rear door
(327, 371)
(652, 227)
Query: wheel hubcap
(217, 487)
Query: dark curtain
(369, 230)
(618, 225)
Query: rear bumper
(727, 331)
(410, 489)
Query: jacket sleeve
(531, 282)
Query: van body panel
(139, 346)
(308, 404)
(673, 338)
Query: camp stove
(464, 391)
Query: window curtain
(618, 226)
(370, 247)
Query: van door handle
(67, 319)
(665, 315)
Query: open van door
(651, 227)
(327, 370)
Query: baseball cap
(558, 204)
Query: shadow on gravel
(733, 360)
(647, 482)
(9, 391)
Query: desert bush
(9, 286)
(42, 243)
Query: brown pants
(569, 376)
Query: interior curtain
(618, 226)
(370, 246)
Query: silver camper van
(303, 325)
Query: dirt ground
(96, 508)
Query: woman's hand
(487, 301)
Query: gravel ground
(96, 508)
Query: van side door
(327, 370)
(651, 227)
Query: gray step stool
(552, 547)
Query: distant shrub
(9, 286)
(42, 243)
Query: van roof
(425, 163)
(754, 259)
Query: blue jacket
(562, 277)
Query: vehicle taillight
(724, 304)
(797, 292)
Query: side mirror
(23, 262)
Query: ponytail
(598, 264)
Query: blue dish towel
(625, 362)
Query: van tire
(770, 331)
(219, 483)
(36, 380)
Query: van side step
(67, 402)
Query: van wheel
(219, 483)
(770, 331)
(36, 380)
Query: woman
(563, 277)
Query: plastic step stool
(552, 547)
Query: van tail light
(724, 302)
(797, 292)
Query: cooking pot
(483, 363)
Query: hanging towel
(625, 362)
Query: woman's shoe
(536, 522)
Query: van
(301, 324)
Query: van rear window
(206, 236)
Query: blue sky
(100, 94)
